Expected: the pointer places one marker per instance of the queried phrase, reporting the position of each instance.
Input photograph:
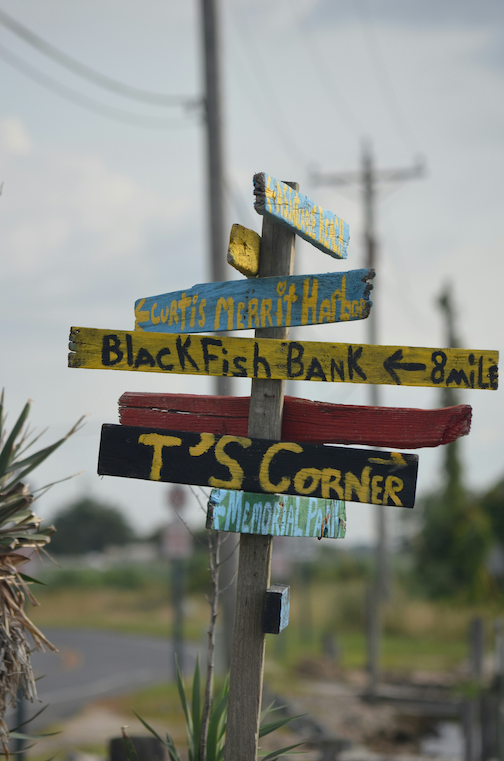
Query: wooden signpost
(303, 420)
(279, 359)
(265, 302)
(278, 515)
(285, 205)
(271, 477)
(265, 420)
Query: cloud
(451, 14)
(75, 231)
(14, 138)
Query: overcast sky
(96, 213)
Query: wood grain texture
(274, 302)
(277, 515)
(259, 465)
(301, 215)
(244, 250)
(272, 358)
(303, 420)
(276, 608)
(265, 420)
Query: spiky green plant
(206, 718)
(20, 530)
(216, 735)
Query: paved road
(92, 664)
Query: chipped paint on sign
(282, 360)
(300, 214)
(244, 250)
(269, 302)
(276, 515)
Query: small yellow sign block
(244, 250)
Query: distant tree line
(459, 529)
(89, 526)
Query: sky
(100, 209)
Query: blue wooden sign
(275, 514)
(261, 303)
(300, 214)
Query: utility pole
(218, 247)
(215, 144)
(368, 178)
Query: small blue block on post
(276, 608)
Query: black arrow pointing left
(394, 363)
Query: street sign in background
(282, 360)
(303, 420)
(177, 541)
(278, 515)
(283, 204)
(259, 465)
(269, 302)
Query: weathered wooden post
(265, 422)
(183, 439)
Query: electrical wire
(274, 109)
(339, 102)
(405, 293)
(382, 76)
(113, 85)
(90, 104)
(238, 202)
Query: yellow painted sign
(189, 354)
(244, 250)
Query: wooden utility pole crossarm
(265, 421)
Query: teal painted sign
(275, 514)
(300, 214)
(262, 303)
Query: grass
(133, 611)
(419, 635)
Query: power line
(236, 198)
(344, 111)
(90, 104)
(275, 110)
(368, 178)
(82, 70)
(382, 76)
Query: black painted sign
(259, 465)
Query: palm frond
(20, 529)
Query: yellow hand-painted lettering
(264, 475)
(393, 484)
(228, 306)
(361, 488)
(206, 442)
(158, 442)
(307, 480)
(154, 319)
(234, 467)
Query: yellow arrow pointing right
(396, 459)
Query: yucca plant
(20, 529)
(206, 718)
(216, 734)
